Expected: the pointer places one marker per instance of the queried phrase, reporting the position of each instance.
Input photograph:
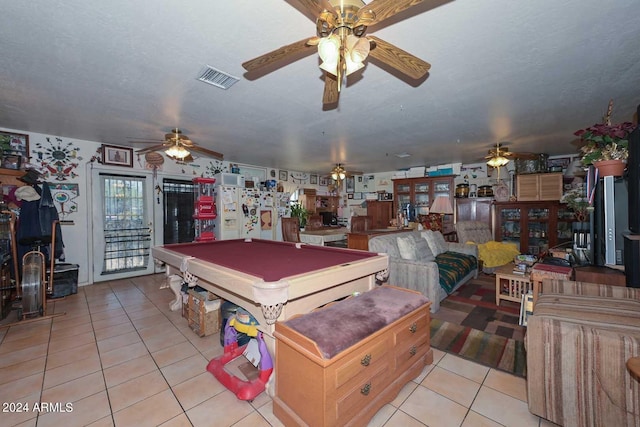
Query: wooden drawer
(411, 341)
(364, 360)
(363, 392)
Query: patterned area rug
(471, 325)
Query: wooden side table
(511, 286)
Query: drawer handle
(366, 389)
(413, 351)
(366, 360)
(413, 328)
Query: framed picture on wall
(313, 179)
(283, 176)
(117, 156)
(350, 184)
(14, 148)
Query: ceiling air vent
(217, 78)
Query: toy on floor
(244, 390)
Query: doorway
(178, 211)
(123, 227)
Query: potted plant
(606, 145)
(577, 201)
(297, 210)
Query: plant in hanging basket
(605, 141)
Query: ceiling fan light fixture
(358, 48)
(356, 51)
(329, 52)
(177, 152)
(497, 161)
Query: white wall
(80, 158)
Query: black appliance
(633, 170)
(610, 221)
(329, 218)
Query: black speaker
(632, 260)
(633, 170)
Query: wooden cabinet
(474, 209)
(380, 212)
(533, 226)
(316, 204)
(350, 387)
(539, 186)
(421, 192)
(327, 204)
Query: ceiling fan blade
(152, 148)
(331, 93)
(207, 152)
(398, 59)
(302, 47)
(384, 9)
(316, 7)
(355, 173)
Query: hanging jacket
(48, 214)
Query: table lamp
(441, 205)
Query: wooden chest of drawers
(350, 387)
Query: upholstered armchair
(580, 339)
(491, 254)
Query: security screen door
(122, 227)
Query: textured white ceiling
(526, 72)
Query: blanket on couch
(452, 267)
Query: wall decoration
(216, 166)
(313, 179)
(14, 148)
(117, 156)
(64, 196)
(57, 159)
(299, 177)
(283, 176)
(266, 220)
(559, 164)
(350, 184)
(252, 173)
(324, 181)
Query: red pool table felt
(267, 259)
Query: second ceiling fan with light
(343, 45)
(177, 146)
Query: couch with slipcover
(578, 342)
(425, 262)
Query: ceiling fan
(178, 147)
(501, 155)
(342, 44)
(339, 173)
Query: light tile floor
(120, 357)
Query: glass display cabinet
(535, 227)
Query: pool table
(274, 280)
